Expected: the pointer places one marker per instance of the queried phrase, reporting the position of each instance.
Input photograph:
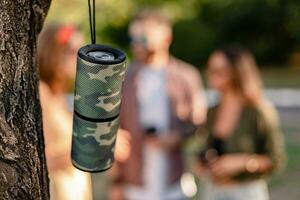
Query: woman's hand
(228, 165)
(200, 169)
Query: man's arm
(199, 106)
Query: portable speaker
(98, 90)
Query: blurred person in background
(57, 52)
(244, 143)
(162, 102)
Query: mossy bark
(23, 171)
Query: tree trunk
(23, 171)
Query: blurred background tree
(267, 27)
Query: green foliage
(270, 28)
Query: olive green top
(257, 132)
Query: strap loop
(92, 19)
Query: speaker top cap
(101, 54)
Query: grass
(285, 77)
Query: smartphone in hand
(151, 131)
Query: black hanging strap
(92, 21)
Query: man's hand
(228, 165)
(123, 149)
(165, 141)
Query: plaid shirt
(183, 87)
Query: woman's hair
(51, 44)
(246, 79)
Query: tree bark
(23, 171)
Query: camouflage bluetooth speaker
(98, 90)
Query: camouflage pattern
(97, 102)
(93, 144)
(98, 89)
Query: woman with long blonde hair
(57, 52)
(244, 143)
